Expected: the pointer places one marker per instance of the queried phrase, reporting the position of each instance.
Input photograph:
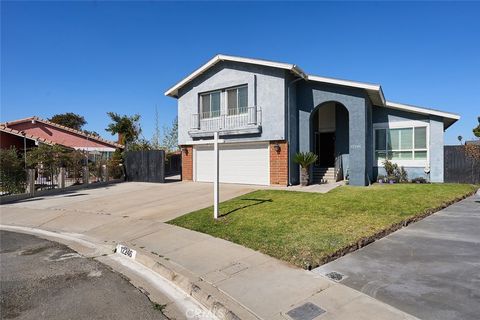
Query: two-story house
(268, 111)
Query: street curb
(210, 297)
(206, 294)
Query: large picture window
(210, 105)
(237, 100)
(401, 143)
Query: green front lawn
(306, 228)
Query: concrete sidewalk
(249, 284)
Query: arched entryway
(329, 140)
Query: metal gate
(145, 166)
(459, 167)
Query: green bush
(305, 159)
(394, 172)
(12, 172)
(115, 165)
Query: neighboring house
(38, 130)
(268, 111)
(19, 140)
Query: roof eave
(87, 136)
(173, 91)
(448, 117)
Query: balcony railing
(239, 118)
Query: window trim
(237, 108)
(202, 112)
(403, 125)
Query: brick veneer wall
(279, 163)
(187, 163)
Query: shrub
(305, 159)
(115, 165)
(473, 151)
(390, 167)
(392, 179)
(12, 172)
(419, 180)
(402, 175)
(394, 172)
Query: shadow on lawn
(257, 202)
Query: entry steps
(323, 175)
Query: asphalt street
(41, 279)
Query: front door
(326, 149)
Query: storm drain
(306, 311)
(335, 276)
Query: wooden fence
(459, 167)
(145, 166)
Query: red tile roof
(5, 129)
(76, 132)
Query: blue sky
(94, 57)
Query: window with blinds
(237, 100)
(401, 143)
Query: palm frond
(305, 159)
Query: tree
(140, 145)
(91, 133)
(476, 130)
(12, 172)
(127, 127)
(170, 136)
(69, 119)
(49, 159)
(155, 143)
(305, 160)
(473, 150)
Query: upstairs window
(237, 100)
(401, 144)
(210, 105)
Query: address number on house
(126, 251)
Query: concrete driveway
(431, 269)
(145, 201)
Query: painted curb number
(126, 251)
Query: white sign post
(216, 178)
(216, 195)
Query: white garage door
(239, 163)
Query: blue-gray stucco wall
(287, 107)
(292, 127)
(435, 146)
(266, 90)
(342, 136)
(312, 95)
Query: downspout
(288, 123)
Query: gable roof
(173, 91)
(77, 132)
(22, 134)
(374, 91)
